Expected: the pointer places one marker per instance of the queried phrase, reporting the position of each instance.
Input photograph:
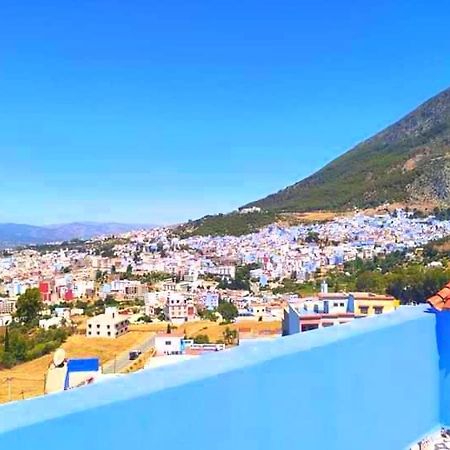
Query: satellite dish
(59, 357)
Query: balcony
(378, 383)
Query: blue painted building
(211, 300)
(381, 383)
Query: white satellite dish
(59, 357)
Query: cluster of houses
(307, 250)
(330, 309)
(190, 270)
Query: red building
(45, 290)
(68, 295)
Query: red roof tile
(441, 300)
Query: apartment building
(107, 325)
(7, 306)
(210, 300)
(179, 309)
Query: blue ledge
(370, 384)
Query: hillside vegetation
(234, 224)
(409, 162)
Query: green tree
(145, 319)
(312, 236)
(201, 339)
(110, 301)
(229, 336)
(371, 282)
(6, 343)
(227, 310)
(29, 305)
(129, 271)
(207, 314)
(159, 313)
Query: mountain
(408, 162)
(12, 234)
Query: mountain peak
(408, 162)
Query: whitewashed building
(108, 325)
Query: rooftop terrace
(377, 383)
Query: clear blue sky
(160, 111)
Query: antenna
(59, 357)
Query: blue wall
(371, 384)
(443, 340)
(291, 321)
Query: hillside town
(173, 279)
(176, 288)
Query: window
(342, 304)
(378, 309)
(90, 325)
(335, 304)
(364, 309)
(109, 333)
(98, 325)
(98, 333)
(108, 326)
(89, 333)
(307, 327)
(168, 343)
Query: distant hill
(12, 234)
(408, 162)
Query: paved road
(122, 360)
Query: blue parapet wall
(443, 342)
(374, 383)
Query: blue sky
(157, 112)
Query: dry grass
(27, 380)
(106, 349)
(149, 327)
(214, 330)
(292, 219)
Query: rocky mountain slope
(408, 162)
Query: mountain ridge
(14, 234)
(406, 162)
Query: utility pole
(9, 380)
